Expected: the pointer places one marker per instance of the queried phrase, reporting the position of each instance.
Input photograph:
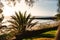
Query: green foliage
(1, 19)
(49, 34)
(6, 36)
(58, 15)
(58, 6)
(22, 21)
(1, 10)
(10, 36)
(3, 37)
(29, 2)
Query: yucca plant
(22, 21)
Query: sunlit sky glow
(40, 8)
(10, 9)
(45, 8)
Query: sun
(9, 10)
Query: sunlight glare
(10, 10)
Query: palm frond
(14, 18)
(17, 15)
(13, 26)
(33, 24)
(29, 22)
(21, 17)
(13, 22)
(23, 21)
(27, 19)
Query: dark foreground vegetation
(37, 33)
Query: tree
(28, 2)
(1, 15)
(22, 21)
(58, 6)
(58, 17)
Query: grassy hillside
(45, 36)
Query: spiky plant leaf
(23, 21)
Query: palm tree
(22, 21)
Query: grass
(50, 33)
(45, 36)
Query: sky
(45, 8)
(40, 8)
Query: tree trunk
(58, 33)
(20, 36)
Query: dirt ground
(44, 39)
